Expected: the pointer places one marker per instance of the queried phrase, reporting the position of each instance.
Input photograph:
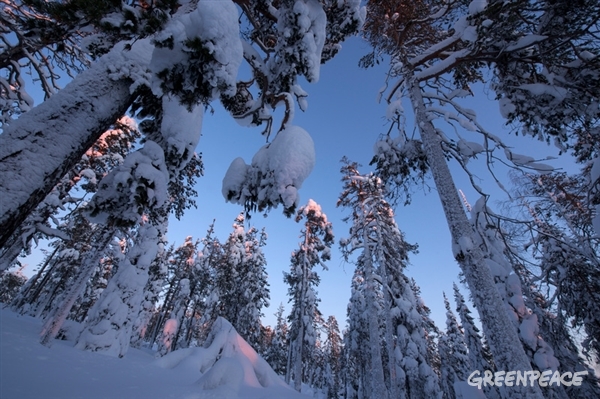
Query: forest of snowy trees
(99, 168)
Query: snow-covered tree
(356, 357)
(157, 274)
(424, 52)
(383, 256)
(332, 349)
(555, 330)
(10, 284)
(497, 255)
(45, 221)
(314, 249)
(277, 352)
(455, 363)
(240, 287)
(560, 238)
(112, 318)
(431, 330)
(206, 294)
(356, 197)
(182, 262)
(545, 56)
(189, 51)
(479, 356)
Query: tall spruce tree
(241, 288)
(332, 348)
(384, 255)
(356, 358)
(314, 249)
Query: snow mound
(229, 365)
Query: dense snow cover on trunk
(111, 319)
(64, 372)
(41, 146)
(497, 326)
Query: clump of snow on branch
(276, 173)
(204, 47)
(302, 30)
(180, 128)
(140, 182)
(130, 62)
(477, 6)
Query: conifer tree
(356, 197)
(356, 357)
(384, 255)
(479, 356)
(277, 352)
(456, 365)
(333, 358)
(183, 261)
(207, 264)
(316, 240)
(157, 275)
(241, 287)
(10, 284)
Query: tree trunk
(55, 321)
(379, 389)
(40, 147)
(500, 331)
(111, 319)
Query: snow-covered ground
(29, 370)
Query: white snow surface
(477, 6)
(29, 370)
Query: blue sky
(343, 118)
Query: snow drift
(227, 368)
(226, 361)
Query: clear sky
(343, 118)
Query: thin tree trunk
(23, 295)
(500, 331)
(56, 320)
(378, 387)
